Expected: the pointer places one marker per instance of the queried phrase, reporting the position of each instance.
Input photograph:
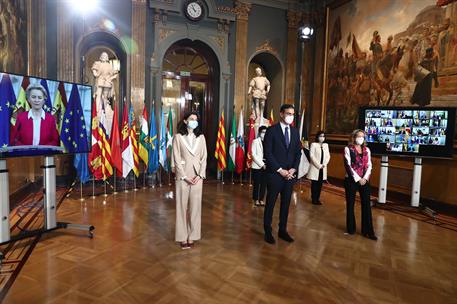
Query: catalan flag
(134, 142)
(144, 138)
(220, 153)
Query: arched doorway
(272, 69)
(190, 82)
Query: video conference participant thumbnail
(35, 127)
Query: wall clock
(193, 10)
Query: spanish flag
(220, 153)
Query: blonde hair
(38, 87)
(354, 135)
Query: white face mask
(360, 140)
(192, 124)
(289, 119)
(262, 136)
(321, 139)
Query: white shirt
(283, 127)
(36, 126)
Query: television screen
(409, 131)
(41, 116)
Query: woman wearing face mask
(357, 162)
(189, 160)
(319, 156)
(258, 168)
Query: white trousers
(188, 211)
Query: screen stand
(416, 189)
(382, 192)
(49, 206)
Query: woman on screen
(357, 162)
(35, 127)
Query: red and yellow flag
(220, 153)
(134, 142)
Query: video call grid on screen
(409, 131)
(16, 85)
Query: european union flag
(82, 168)
(153, 153)
(47, 104)
(73, 134)
(7, 104)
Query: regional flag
(153, 153)
(144, 137)
(126, 144)
(220, 153)
(232, 148)
(115, 143)
(7, 104)
(251, 138)
(239, 159)
(74, 133)
(134, 142)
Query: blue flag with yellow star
(7, 104)
(48, 103)
(73, 134)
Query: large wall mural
(391, 53)
(13, 36)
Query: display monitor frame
(408, 131)
(13, 151)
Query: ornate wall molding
(267, 47)
(164, 33)
(293, 19)
(242, 10)
(220, 41)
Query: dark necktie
(286, 134)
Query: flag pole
(233, 182)
(104, 188)
(125, 184)
(250, 178)
(93, 187)
(134, 182)
(115, 189)
(222, 173)
(169, 178)
(144, 176)
(241, 178)
(160, 176)
(81, 190)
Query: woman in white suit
(319, 155)
(189, 160)
(258, 168)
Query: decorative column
(139, 10)
(242, 13)
(293, 19)
(65, 44)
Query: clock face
(194, 10)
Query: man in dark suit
(282, 152)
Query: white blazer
(315, 160)
(257, 154)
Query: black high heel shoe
(370, 236)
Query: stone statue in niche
(259, 86)
(104, 74)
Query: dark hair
(182, 126)
(319, 133)
(261, 128)
(285, 107)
